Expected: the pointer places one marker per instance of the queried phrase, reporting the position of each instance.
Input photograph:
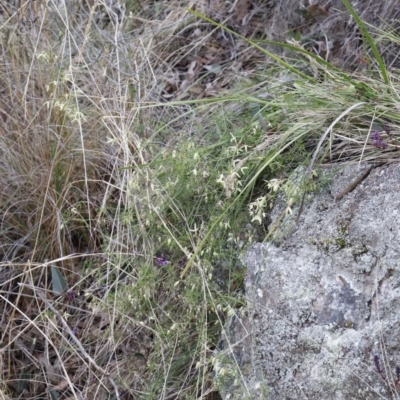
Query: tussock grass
(142, 188)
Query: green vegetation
(130, 192)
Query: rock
(323, 302)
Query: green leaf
(295, 34)
(59, 283)
(54, 394)
(23, 380)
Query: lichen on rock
(322, 318)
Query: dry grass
(120, 162)
(76, 136)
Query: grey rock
(323, 300)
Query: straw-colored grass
(138, 158)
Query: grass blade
(367, 36)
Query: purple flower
(162, 261)
(182, 262)
(377, 362)
(377, 140)
(71, 296)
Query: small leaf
(59, 283)
(23, 380)
(295, 34)
(302, 11)
(54, 394)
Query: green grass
(144, 205)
